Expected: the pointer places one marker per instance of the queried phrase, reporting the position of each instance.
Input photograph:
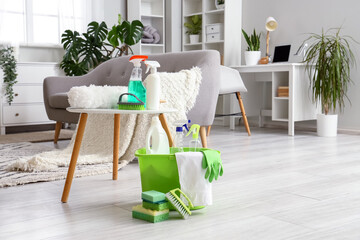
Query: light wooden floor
(274, 187)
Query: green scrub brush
(178, 204)
(122, 105)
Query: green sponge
(155, 206)
(153, 196)
(149, 215)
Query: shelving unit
(149, 12)
(230, 34)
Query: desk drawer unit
(24, 114)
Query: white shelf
(215, 42)
(152, 16)
(151, 45)
(280, 119)
(281, 98)
(217, 11)
(193, 44)
(192, 14)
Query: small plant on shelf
(253, 41)
(219, 4)
(8, 65)
(194, 27)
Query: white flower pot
(327, 125)
(252, 57)
(194, 38)
(219, 6)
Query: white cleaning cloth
(192, 178)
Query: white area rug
(9, 153)
(97, 145)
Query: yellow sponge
(150, 215)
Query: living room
(74, 164)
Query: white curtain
(73, 15)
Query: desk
(80, 132)
(298, 106)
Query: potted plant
(194, 27)
(8, 65)
(253, 53)
(84, 53)
(219, 4)
(328, 60)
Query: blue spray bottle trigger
(186, 125)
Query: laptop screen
(281, 53)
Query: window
(40, 21)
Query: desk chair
(231, 83)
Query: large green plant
(194, 26)
(253, 41)
(98, 44)
(328, 62)
(8, 65)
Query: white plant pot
(252, 57)
(194, 38)
(219, 6)
(327, 125)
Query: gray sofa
(117, 72)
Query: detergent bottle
(159, 140)
(194, 144)
(179, 135)
(136, 86)
(152, 86)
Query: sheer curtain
(73, 15)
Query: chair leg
(208, 131)
(58, 127)
(243, 113)
(203, 136)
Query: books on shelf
(283, 91)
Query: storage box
(214, 37)
(283, 91)
(214, 28)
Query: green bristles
(125, 106)
(155, 206)
(149, 218)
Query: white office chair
(231, 82)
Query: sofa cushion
(59, 100)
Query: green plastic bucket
(159, 171)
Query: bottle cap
(179, 129)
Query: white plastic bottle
(158, 137)
(179, 135)
(152, 86)
(194, 144)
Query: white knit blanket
(178, 89)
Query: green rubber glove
(213, 165)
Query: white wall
(296, 18)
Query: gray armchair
(117, 72)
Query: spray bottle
(179, 135)
(195, 142)
(136, 86)
(152, 86)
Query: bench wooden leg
(243, 113)
(58, 127)
(203, 136)
(208, 131)
(116, 145)
(74, 157)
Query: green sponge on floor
(153, 196)
(155, 206)
(149, 215)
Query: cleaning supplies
(191, 177)
(178, 204)
(154, 208)
(152, 86)
(158, 137)
(136, 86)
(149, 215)
(154, 200)
(213, 164)
(179, 135)
(123, 105)
(195, 142)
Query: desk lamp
(271, 25)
